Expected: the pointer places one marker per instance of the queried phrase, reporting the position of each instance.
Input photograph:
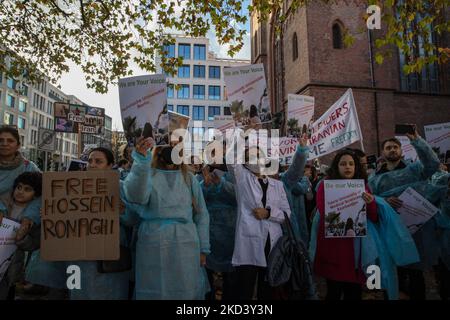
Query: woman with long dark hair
(337, 259)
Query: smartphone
(148, 131)
(402, 129)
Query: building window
(170, 107)
(198, 113)
(170, 49)
(33, 137)
(213, 111)
(199, 92)
(8, 119)
(294, 47)
(199, 71)
(10, 101)
(182, 109)
(226, 111)
(183, 92)
(425, 81)
(214, 72)
(184, 51)
(22, 106)
(199, 52)
(184, 71)
(214, 92)
(198, 133)
(24, 90)
(170, 93)
(21, 123)
(337, 36)
(11, 83)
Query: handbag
(120, 265)
(288, 266)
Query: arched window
(294, 47)
(337, 36)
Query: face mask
(255, 168)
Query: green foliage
(41, 37)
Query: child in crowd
(27, 187)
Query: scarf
(12, 164)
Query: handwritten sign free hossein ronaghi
(80, 216)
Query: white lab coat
(251, 233)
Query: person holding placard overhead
(390, 181)
(338, 259)
(173, 237)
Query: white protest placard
(345, 210)
(336, 128)
(246, 86)
(8, 230)
(415, 209)
(223, 123)
(143, 106)
(300, 113)
(438, 136)
(285, 150)
(47, 139)
(408, 151)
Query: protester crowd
(185, 226)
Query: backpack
(289, 267)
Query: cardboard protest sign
(415, 210)
(336, 128)
(80, 215)
(345, 210)
(300, 114)
(8, 230)
(408, 151)
(73, 118)
(246, 86)
(143, 106)
(438, 136)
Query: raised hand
(143, 145)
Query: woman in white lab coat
(262, 202)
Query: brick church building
(308, 57)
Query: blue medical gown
(222, 208)
(416, 175)
(296, 186)
(171, 235)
